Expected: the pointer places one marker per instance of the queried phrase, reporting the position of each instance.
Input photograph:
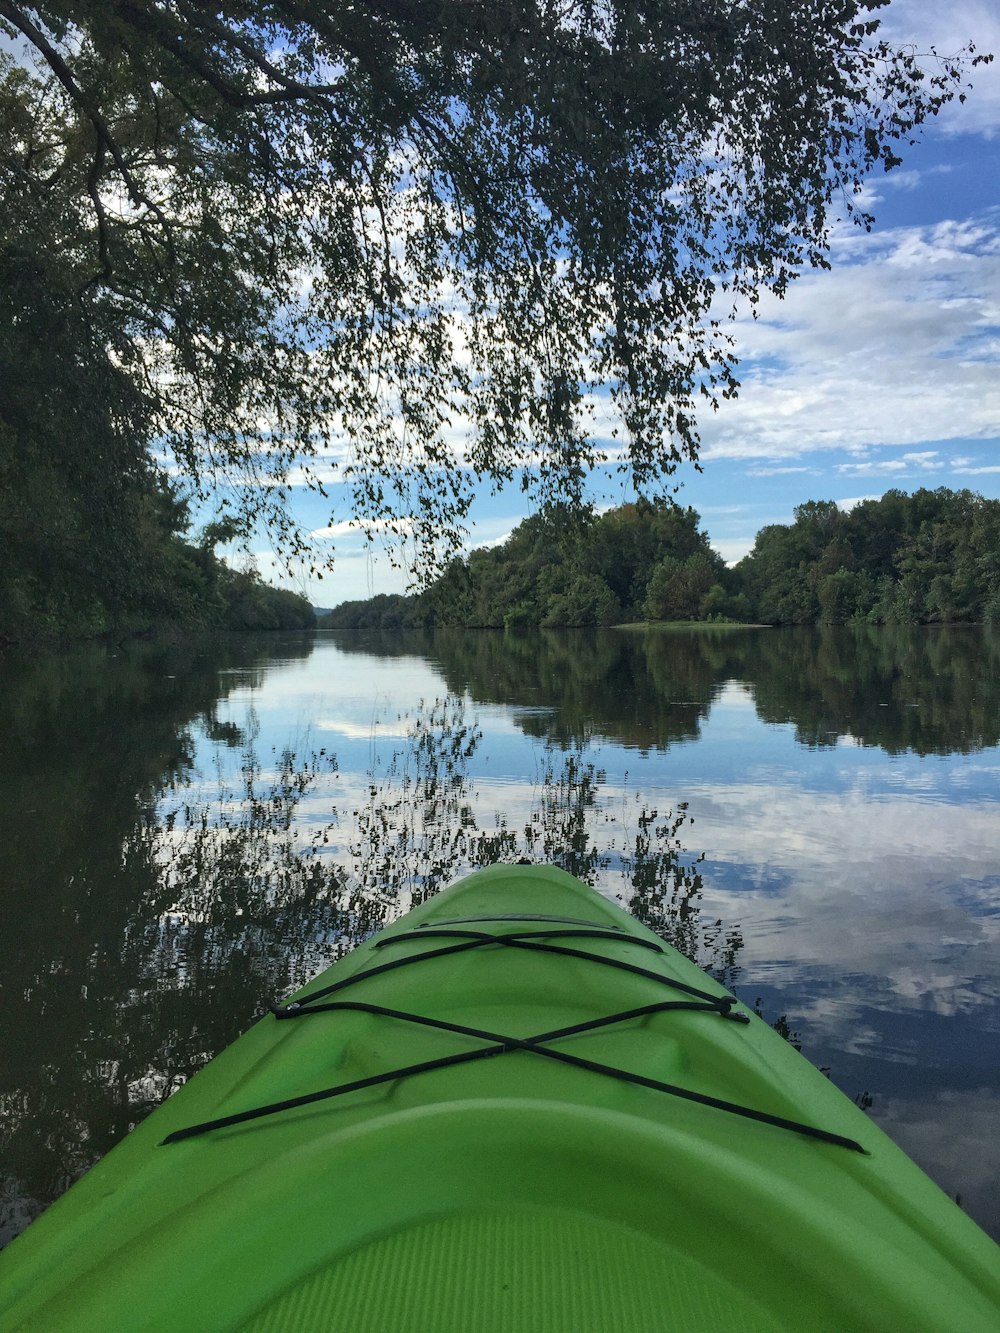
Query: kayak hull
(607, 1178)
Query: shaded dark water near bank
(188, 831)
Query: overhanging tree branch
(377, 225)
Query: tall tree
(320, 237)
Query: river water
(190, 830)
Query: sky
(881, 373)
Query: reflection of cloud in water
(954, 1135)
(372, 728)
(895, 899)
(388, 724)
(865, 963)
(840, 1023)
(973, 774)
(870, 1043)
(851, 843)
(946, 993)
(887, 901)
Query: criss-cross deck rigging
(524, 936)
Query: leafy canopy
(324, 240)
(925, 558)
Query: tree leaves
(933, 556)
(409, 248)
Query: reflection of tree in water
(565, 686)
(924, 689)
(98, 1009)
(666, 896)
(420, 829)
(221, 903)
(559, 830)
(417, 825)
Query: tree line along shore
(925, 558)
(89, 553)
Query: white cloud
(315, 470)
(928, 460)
(775, 471)
(732, 549)
(353, 528)
(357, 574)
(896, 345)
(333, 530)
(487, 543)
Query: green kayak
(514, 1109)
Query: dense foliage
(91, 533)
(933, 556)
(647, 560)
(111, 558)
(296, 242)
(925, 558)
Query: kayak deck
(513, 1109)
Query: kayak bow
(515, 1109)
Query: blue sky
(880, 373)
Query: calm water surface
(188, 831)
